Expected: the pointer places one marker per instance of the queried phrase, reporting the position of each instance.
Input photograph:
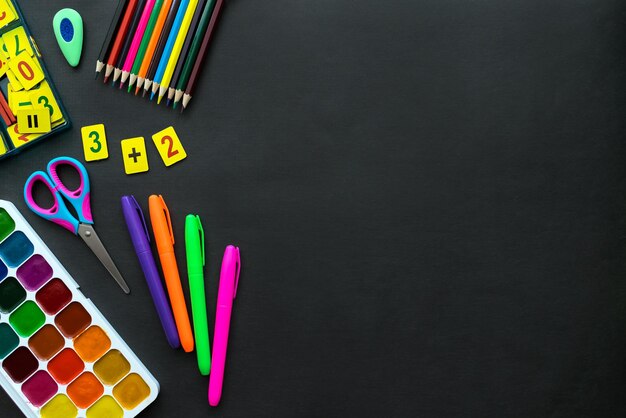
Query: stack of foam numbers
(30, 107)
(59, 356)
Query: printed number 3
(96, 140)
(46, 104)
(170, 152)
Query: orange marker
(164, 237)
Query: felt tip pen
(194, 244)
(164, 237)
(229, 280)
(138, 230)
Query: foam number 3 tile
(33, 121)
(26, 70)
(94, 142)
(7, 15)
(16, 42)
(18, 139)
(169, 146)
(44, 98)
(134, 154)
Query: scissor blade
(88, 234)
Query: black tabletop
(429, 197)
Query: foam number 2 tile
(16, 42)
(134, 154)
(33, 121)
(169, 146)
(18, 139)
(94, 142)
(44, 98)
(7, 15)
(26, 70)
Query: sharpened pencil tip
(175, 105)
(97, 74)
(121, 86)
(168, 103)
(106, 79)
(151, 96)
(144, 93)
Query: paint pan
(59, 356)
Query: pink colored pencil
(134, 46)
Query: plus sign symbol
(134, 155)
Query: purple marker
(141, 241)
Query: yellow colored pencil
(178, 46)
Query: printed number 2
(21, 137)
(170, 151)
(96, 140)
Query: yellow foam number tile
(20, 100)
(16, 42)
(134, 154)
(94, 143)
(169, 146)
(33, 121)
(15, 83)
(26, 70)
(4, 65)
(18, 139)
(44, 98)
(7, 15)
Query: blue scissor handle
(79, 198)
(58, 213)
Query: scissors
(80, 200)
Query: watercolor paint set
(59, 357)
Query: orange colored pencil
(154, 40)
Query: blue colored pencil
(168, 47)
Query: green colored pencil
(193, 51)
(144, 43)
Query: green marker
(194, 243)
(68, 29)
(145, 41)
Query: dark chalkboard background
(429, 197)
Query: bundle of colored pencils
(158, 46)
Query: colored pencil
(154, 63)
(154, 40)
(129, 40)
(167, 52)
(141, 53)
(176, 49)
(113, 27)
(185, 50)
(203, 49)
(134, 46)
(119, 38)
(193, 51)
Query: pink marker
(229, 279)
(134, 46)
